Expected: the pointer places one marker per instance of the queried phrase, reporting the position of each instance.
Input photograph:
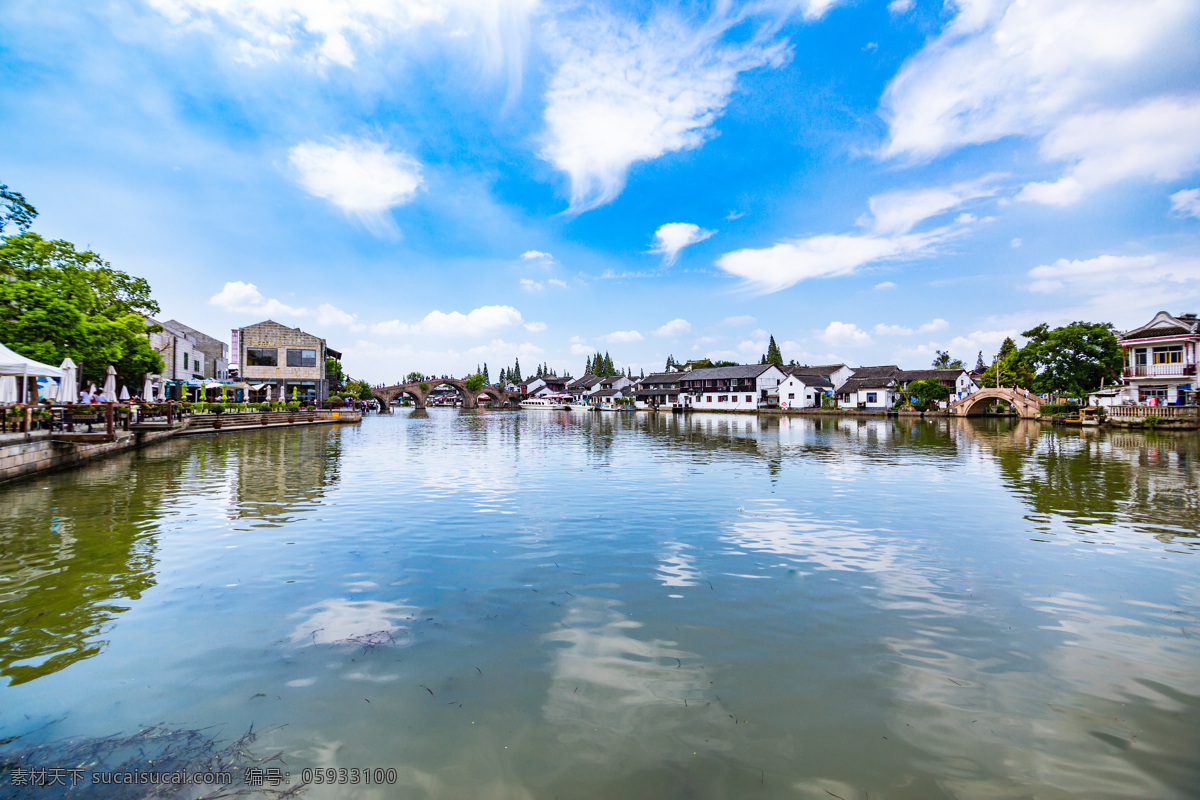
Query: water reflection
(75, 551)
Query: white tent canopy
(13, 364)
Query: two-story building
(739, 388)
(1160, 361)
(215, 351)
(658, 389)
(290, 360)
(183, 360)
(800, 390)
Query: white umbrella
(110, 382)
(268, 392)
(124, 394)
(148, 389)
(66, 387)
(8, 389)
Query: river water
(563, 605)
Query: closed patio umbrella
(110, 382)
(148, 389)
(66, 387)
(124, 394)
(8, 389)
(268, 392)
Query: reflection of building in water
(75, 550)
(275, 474)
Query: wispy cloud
(1186, 203)
(1113, 95)
(672, 237)
(536, 255)
(627, 91)
(844, 334)
(622, 337)
(363, 178)
(890, 236)
(903, 330)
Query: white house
(739, 388)
(836, 374)
(1160, 360)
(958, 381)
(868, 393)
(803, 391)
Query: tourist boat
(579, 407)
(546, 403)
(1091, 416)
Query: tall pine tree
(515, 374)
(773, 355)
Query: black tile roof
(721, 373)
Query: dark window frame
(300, 358)
(260, 360)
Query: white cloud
(617, 337)
(531, 285)
(627, 91)
(1126, 288)
(744, 319)
(901, 330)
(535, 327)
(557, 282)
(841, 334)
(325, 33)
(1186, 203)
(581, 350)
(245, 298)
(536, 255)
(901, 6)
(732, 215)
(676, 327)
(1015, 243)
(890, 223)
(328, 314)
(1154, 139)
(483, 320)
(359, 176)
(1109, 84)
(885, 286)
(674, 236)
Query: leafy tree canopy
(773, 356)
(1073, 359)
(943, 361)
(58, 302)
(474, 382)
(413, 377)
(15, 209)
(1011, 368)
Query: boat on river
(544, 403)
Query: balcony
(1160, 371)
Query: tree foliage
(772, 356)
(474, 382)
(1073, 359)
(58, 302)
(15, 209)
(1011, 368)
(927, 392)
(943, 361)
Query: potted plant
(263, 409)
(218, 409)
(292, 408)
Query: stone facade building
(287, 358)
(183, 359)
(215, 351)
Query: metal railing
(1160, 370)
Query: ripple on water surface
(548, 604)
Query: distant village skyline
(433, 187)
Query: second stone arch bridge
(419, 391)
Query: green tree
(943, 361)
(515, 374)
(1073, 359)
(927, 392)
(474, 382)
(979, 365)
(1013, 366)
(773, 355)
(15, 209)
(58, 302)
(333, 373)
(486, 379)
(670, 363)
(357, 388)
(413, 377)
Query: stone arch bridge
(1027, 404)
(420, 395)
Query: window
(708, 399)
(749, 398)
(185, 361)
(1146, 392)
(791, 396)
(1139, 357)
(1169, 355)
(302, 358)
(872, 397)
(262, 357)
(723, 398)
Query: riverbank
(28, 454)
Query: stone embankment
(37, 452)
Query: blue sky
(431, 185)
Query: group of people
(89, 397)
